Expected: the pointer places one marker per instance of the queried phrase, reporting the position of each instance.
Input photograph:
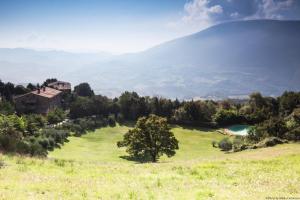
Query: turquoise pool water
(239, 129)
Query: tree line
(270, 116)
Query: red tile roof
(46, 92)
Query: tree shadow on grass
(195, 128)
(129, 124)
(138, 160)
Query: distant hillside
(230, 59)
(28, 65)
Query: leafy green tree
(151, 137)
(11, 131)
(296, 115)
(31, 87)
(81, 107)
(273, 127)
(227, 117)
(84, 90)
(132, 106)
(2, 85)
(20, 89)
(8, 91)
(161, 107)
(181, 116)
(256, 100)
(288, 102)
(34, 123)
(6, 108)
(102, 105)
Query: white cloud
(198, 15)
(270, 9)
(234, 15)
(199, 11)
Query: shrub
(9, 139)
(269, 142)
(214, 144)
(225, 144)
(37, 150)
(2, 164)
(56, 116)
(51, 143)
(239, 143)
(6, 108)
(44, 142)
(59, 136)
(23, 147)
(293, 134)
(273, 127)
(111, 120)
(34, 123)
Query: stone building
(40, 101)
(61, 85)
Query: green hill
(92, 167)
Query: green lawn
(101, 146)
(90, 167)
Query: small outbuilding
(61, 85)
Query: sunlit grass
(90, 167)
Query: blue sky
(122, 26)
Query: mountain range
(229, 59)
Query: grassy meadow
(92, 167)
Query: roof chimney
(44, 88)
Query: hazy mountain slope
(25, 65)
(233, 58)
(228, 59)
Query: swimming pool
(238, 129)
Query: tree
(132, 106)
(273, 127)
(48, 81)
(288, 102)
(81, 107)
(20, 89)
(151, 137)
(2, 85)
(31, 87)
(84, 90)
(6, 108)
(8, 91)
(227, 117)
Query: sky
(123, 26)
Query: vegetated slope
(89, 168)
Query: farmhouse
(61, 85)
(40, 101)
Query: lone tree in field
(151, 137)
